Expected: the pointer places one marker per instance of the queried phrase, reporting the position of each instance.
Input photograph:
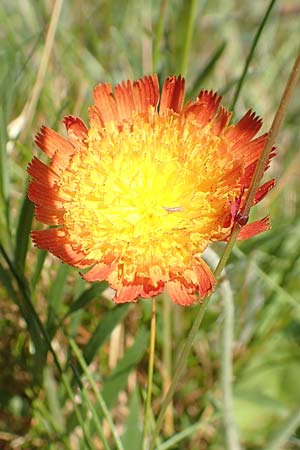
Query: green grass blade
(41, 256)
(100, 400)
(77, 411)
(52, 393)
(206, 71)
(103, 331)
(25, 305)
(23, 232)
(6, 280)
(287, 429)
(87, 296)
(132, 437)
(117, 381)
(251, 54)
(187, 432)
(158, 34)
(283, 295)
(95, 418)
(191, 7)
(4, 182)
(55, 298)
(41, 340)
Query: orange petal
(41, 195)
(206, 279)
(56, 241)
(149, 290)
(146, 92)
(49, 215)
(61, 161)
(245, 129)
(124, 100)
(50, 238)
(263, 190)
(95, 117)
(254, 228)
(130, 291)
(172, 95)
(105, 103)
(77, 131)
(249, 171)
(250, 151)
(221, 120)
(42, 173)
(99, 272)
(181, 294)
(50, 142)
(199, 278)
(136, 97)
(127, 293)
(205, 107)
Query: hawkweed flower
(138, 196)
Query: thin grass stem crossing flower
(138, 196)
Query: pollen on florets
(141, 193)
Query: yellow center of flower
(153, 193)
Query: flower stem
(167, 360)
(150, 376)
(228, 248)
(263, 160)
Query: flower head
(139, 195)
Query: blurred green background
(207, 42)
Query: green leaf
(56, 297)
(87, 296)
(207, 69)
(6, 279)
(23, 299)
(23, 232)
(103, 331)
(52, 393)
(41, 256)
(284, 433)
(132, 437)
(5, 188)
(118, 379)
(100, 407)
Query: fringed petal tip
(206, 110)
(193, 285)
(125, 291)
(263, 190)
(56, 241)
(245, 129)
(185, 288)
(42, 173)
(139, 288)
(76, 129)
(128, 98)
(172, 95)
(99, 272)
(51, 142)
(252, 229)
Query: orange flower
(140, 194)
